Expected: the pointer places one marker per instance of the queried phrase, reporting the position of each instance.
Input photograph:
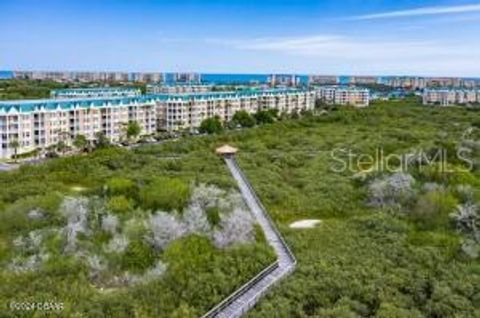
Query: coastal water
(6, 74)
(212, 78)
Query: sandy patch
(78, 189)
(304, 224)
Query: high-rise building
(339, 95)
(286, 80)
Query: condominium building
(363, 80)
(41, 123)
(338, 95)
(73, 76)
(407, 82)
(446, 97)
(177, 89)
(187, 111)
(286, 80)
(322, 80)
(98, 92)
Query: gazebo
(226, 151)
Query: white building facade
(39, 124)
(189, 110)
(97, 92)
(447, 97)
(337, 95)
(178, 89)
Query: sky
(348, 37)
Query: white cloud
(350, 47)
(363, 55)
(436, 10)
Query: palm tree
(122, 128)
(14, 143)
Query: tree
(101, 141)
(64, 137)
(14, 144)
(80, 142)
(243, 119)
(264, 117)
(61, 146)
(211, 125)
(133, 129)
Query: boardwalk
(247, 296)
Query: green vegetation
(33, 89)
(91, 222)
(244, 119)
(80, 142)
(165, 194)
(133, 129)
(391, 244)
(211, 125)
(27, 89)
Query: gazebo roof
(226, 150)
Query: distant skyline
(370, 37)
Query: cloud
(436, 10)
(335, 46)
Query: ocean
(211, 78)
(6, 74)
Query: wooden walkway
(244, 298)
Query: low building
(98, 92)
(177, 89)
(447, 97)
(339, 95)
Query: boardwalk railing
(245, 297)
(265, 213)
(240, 291)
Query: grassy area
(34, 89)
(390, 245)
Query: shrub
(165, 194)
(235, 227)
(121, 186)
(391, 190)
(137, 257)
(119, 204)
(433, 209)
(164, 229)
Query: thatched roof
(226, 150)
